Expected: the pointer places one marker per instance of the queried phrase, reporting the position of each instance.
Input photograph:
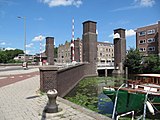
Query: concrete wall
(64, 80)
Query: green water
(87, 91)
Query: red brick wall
(64, 80)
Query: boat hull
(130, 101)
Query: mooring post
(52, 106)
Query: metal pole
(144, 110)
(115, 102)
(126, 77)
(24, 18)
(24, 39)
(40, 59)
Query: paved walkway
(22, 101)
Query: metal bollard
(52, 106)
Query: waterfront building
(105, 53)
(148, 39)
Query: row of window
(142, 33)
(150, 40)
(105, 45)
(106, 50)
(108, 55)
(107, 61)
(149, 49)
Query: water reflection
(88, 93)
(105, 105)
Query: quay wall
(64, 80)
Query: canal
(88, 93)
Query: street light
(24, 18)
(40, 50)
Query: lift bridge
(105, 69)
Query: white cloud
(136, 4)
(38, 38)
(144, 3)
(106, 41)
(130, 33)
(54, 3)
(8, 48)
(28, 51)
(39, 19)
(29, 45)
(2, 43)
(111, 35)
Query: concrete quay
(23, 101)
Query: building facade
(148, 39)
(105, 53)
(64, 53)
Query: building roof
(89, 21)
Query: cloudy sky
(53, 18)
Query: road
(10, 68)
(12, 74)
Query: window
(150, 40)
(142, 33)
(142, 41)
(142, 49)
(151, 48)
(151, 31)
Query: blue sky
(53, 18)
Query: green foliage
(8, 55)
(87, 91)
(137, 63)
(151, 64)
(3, 57)
(55, 52)
(133, 61)
(86, 94)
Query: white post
(115, 102)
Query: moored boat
(132, 96)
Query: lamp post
(40, 57)
(24, 18)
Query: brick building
(148, 39)
(105, 52)
(64, 52)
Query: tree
(151, 64)
(133, 61)
(3, 57)
(137, 63)
(55, 52)
(8, 55)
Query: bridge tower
(50, 50)
(119, 50)
(89, 41)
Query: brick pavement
(23, 101)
